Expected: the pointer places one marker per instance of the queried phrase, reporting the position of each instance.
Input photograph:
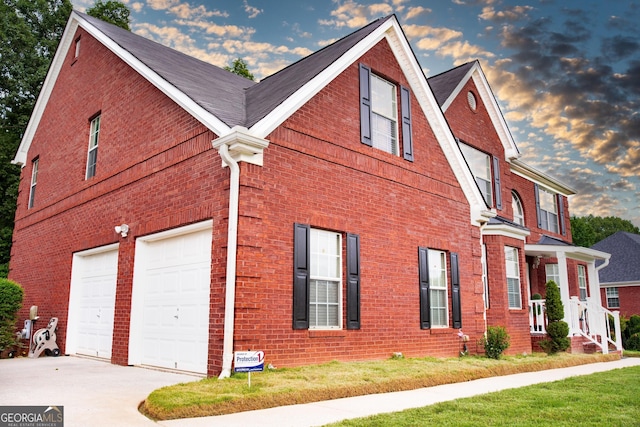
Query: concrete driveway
(93, 393)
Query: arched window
(518, 212)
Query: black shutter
(455, 292)
(497, 186)
(536, 190)
(353, 281)
(423, 272)
(407, 141)
(301, 257)
(563, 229)
(365, 105)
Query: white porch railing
(592, 322)
(537, 317)
(585, 319)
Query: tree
(589, 230)
(240, 68)
(113, 12)
(30, 31)
(557, 328)
(11, 295)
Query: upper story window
(34, 181)
(518, 212)
(582, 282)
(379, 121)
(76, 52)
(548, 210)
(317, 279)
(92, 157)
(488, 181)
(513, 277)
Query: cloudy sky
(566, 73)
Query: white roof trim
(620, 284)
(493, 109)
(75, 21)
(574, 252)
(531, 174)
(505, 230)
(417, 81)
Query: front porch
(591, 326)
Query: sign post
(248, 361)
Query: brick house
(344, 208)
(620, 278)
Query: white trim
(505, 230)
(543, 180)
(177, 231)
(68, 37)
(619, 284)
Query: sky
(566, 73)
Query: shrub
(10, 302)
(633, 343)
(495, 342)
(557, 329)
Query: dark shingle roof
(233, 99)
(624, 265)
(216, 90)
(444, 83)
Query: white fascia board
(506, 231)
(75, 21)
(573, 252)
(620, 284)
(493, 109)
(525, 171)
(47, 87)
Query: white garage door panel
(175, 319)
(96, 289)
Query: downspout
(232, 249)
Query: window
(518, 212)
(379, 114)
(547, 210)
(76, 52)
(480, 165)
(434, 289)
(552, 273)
(582, 282)
(613, 300)
(317, 279)
(513, 277)
(34, 181)
(92, 157)
(326, 279)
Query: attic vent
(471, 99)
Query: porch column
(564, 286)
(594, 284)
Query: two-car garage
(169, 324)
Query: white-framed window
(513, 277)
(92, 157)
(518, 212)
(384, 118)
(552, 273)
(480, 165)
(325, 280)
(76, 52)
(438, 294)
(613, 299)
(548, 210)
(34, 181)
(582, 282)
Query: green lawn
(288, 386)
(602, 399)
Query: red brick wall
(629, 300)
(156, 170)
(317, 172)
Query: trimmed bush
(557, 329)
(633, 342)
(10, 302)
(495, 342)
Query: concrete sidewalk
(320, 413)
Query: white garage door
(173, 287)
(92, 302)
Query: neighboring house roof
(624, 265)
(222, 100)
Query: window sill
(326, 333)
(441, 331)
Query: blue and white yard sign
(248, 361)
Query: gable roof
(624, 265)
(444, 84)
(223, 101)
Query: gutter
(233, 148)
